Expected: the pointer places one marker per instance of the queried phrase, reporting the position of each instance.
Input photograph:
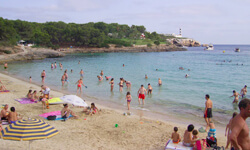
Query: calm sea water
(211, 72)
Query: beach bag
(211, 142)
(52, 117)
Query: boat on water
(209, 47)
(237, 50)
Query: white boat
(237, 50)
(209, 48)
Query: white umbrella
(73, 99)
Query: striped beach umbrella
(27, 130)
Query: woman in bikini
(121, 84)
(128, 98)
(79, 85)
(112, 84)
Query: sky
(207, 21)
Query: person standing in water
(208, 110)
(52, 66)
(66, 76)
(236, 96)
(121, 85)
(141, 94)
(243, 91)
(150, 89)
(79, 85)
(55, 65)
(159, 82)
(81, 73)
(111, 84)
(101, 73)
(43, 75)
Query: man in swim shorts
(5, 66)
(43, 75)
(141, 94)
(243, 91)
(208, 110)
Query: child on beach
(212, 131)
(150, 89)
(44, 102)
(228, 130)
(34, 97)
(128, 98)
(187, 141)
(29, 95)
(30, 79)
(93, 109)
(198, 145)
(100, 78)
(176, 136)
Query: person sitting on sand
(12, 117)
(176, 136)
(2, 87)
(197, 141)
(4, 112)
(93, 109)
(212, 131)
(29, 94)
(65, 112)
(228, 130)
(34, 97)
(236, 96)
(187, 141)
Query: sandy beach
(91, 132)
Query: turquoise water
(211, 72)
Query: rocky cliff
(184, 42)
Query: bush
(7, 51)
(157, 42)
(149, 45)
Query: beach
(92, 132)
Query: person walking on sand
(79, 85)
(141, 94)
(208, 110)
(239, 136)
(5, 66)
(111, 84)
(128, 98)
(43, 75)
(236, 96)
(243, 91)
(228, 130)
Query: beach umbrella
(74, 100)
(28, 130)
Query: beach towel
(55, 100)
(54, 113)
(5, 91)
(179, 146)
(24, 101)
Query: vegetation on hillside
(60, 34)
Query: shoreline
(138, 115)
(28, 53)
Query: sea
(216, 73)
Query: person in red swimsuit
(141, 94)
